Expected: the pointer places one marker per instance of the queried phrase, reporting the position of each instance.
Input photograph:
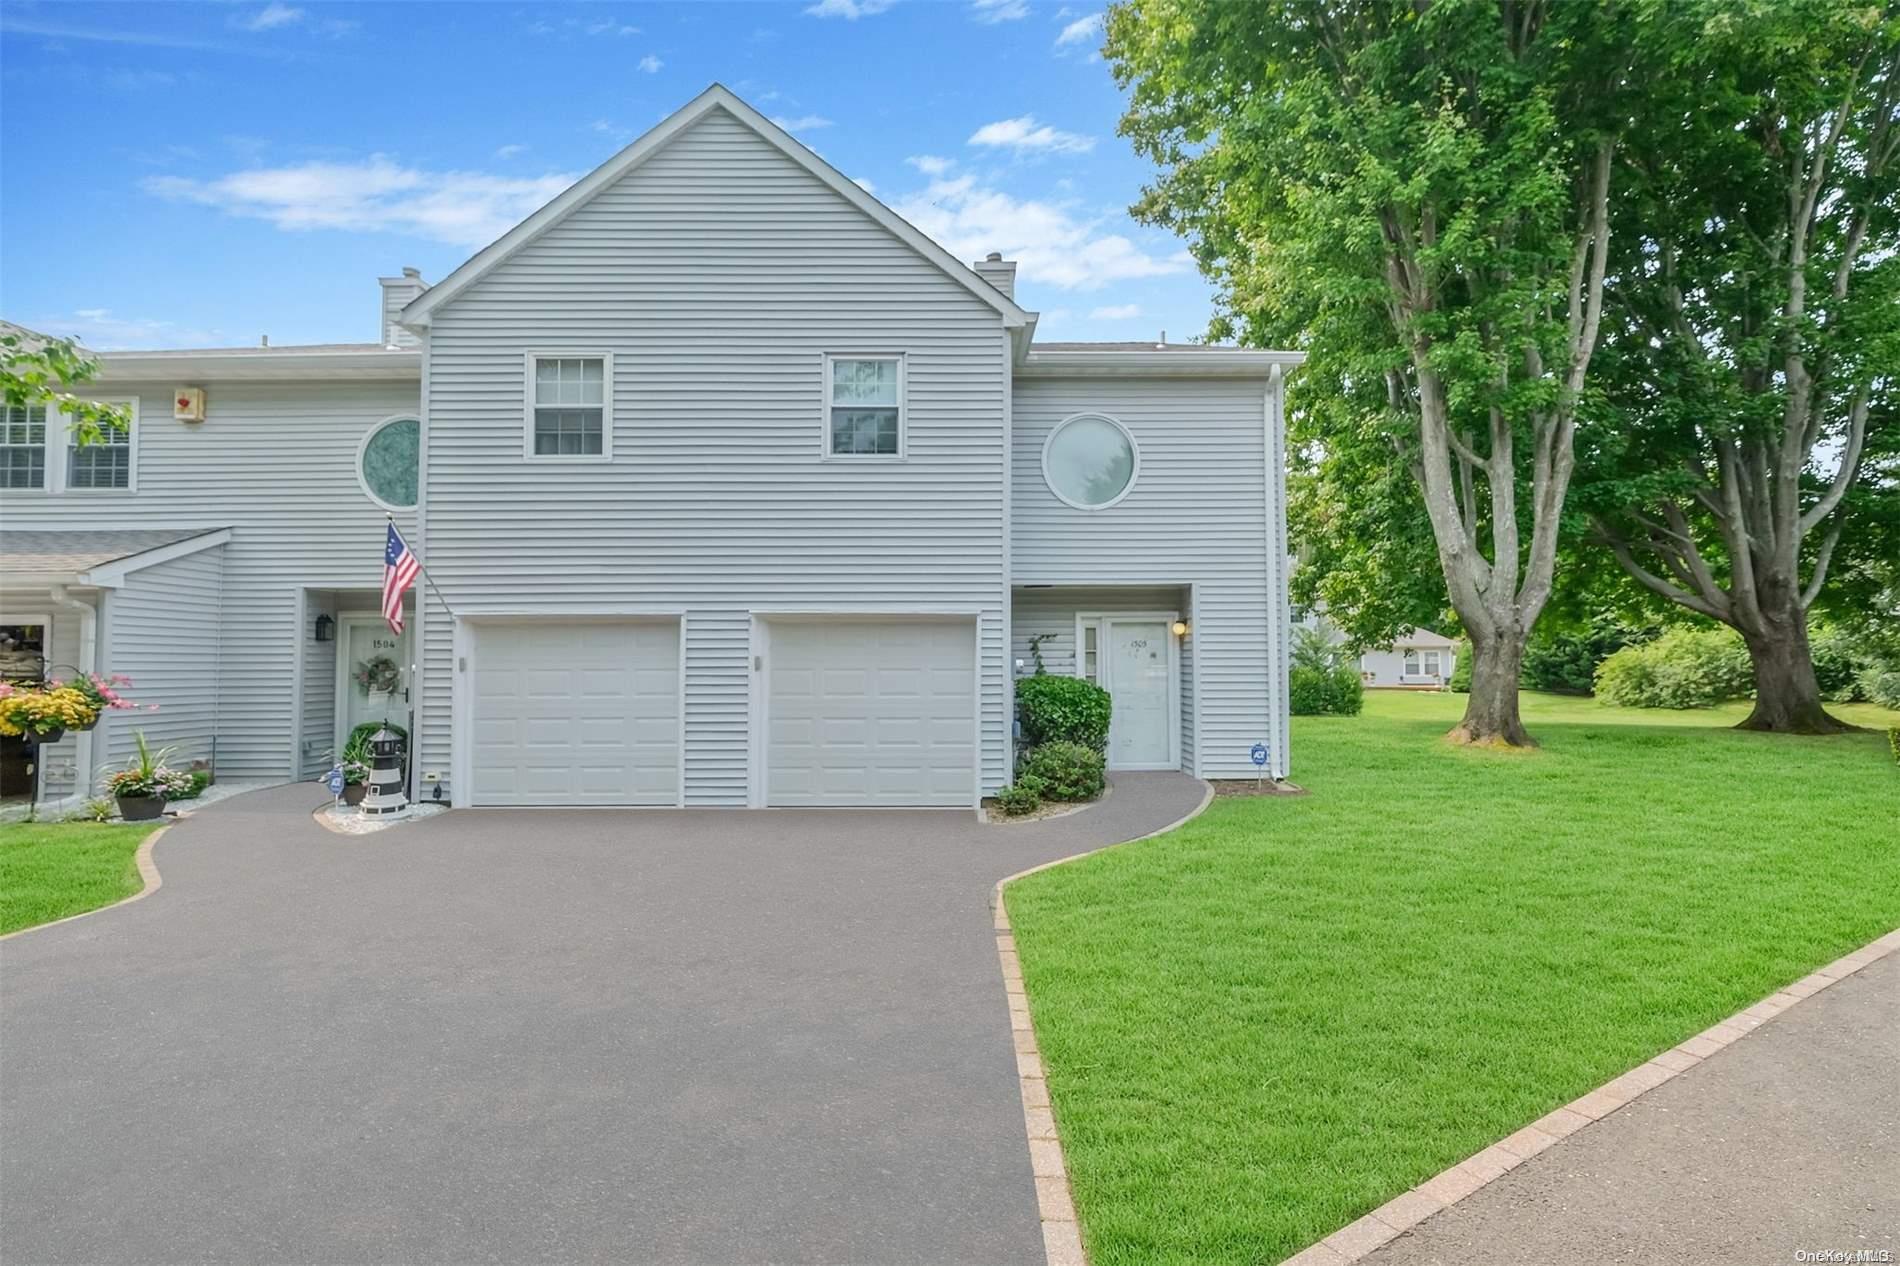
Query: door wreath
(378, 676)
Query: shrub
(1020, 797)
(200, 779)
(97, 809)
(1056, 709)
(1064, 771)
(1838, 664)
(1315, 692)
(1565, 661)
(1461, 671)
(1881, 687)
(1684, 668)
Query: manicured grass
(1273, 1020)
(49, 870)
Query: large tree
(1752, 345)
(1417, 193)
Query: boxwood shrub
(1063, 771)
(1318, 692)
(1056, 709)
(1684, 668)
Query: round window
(1090, 461)
(388, 463)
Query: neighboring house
(734, 490)
(1420, 660)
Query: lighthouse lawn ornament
(384, 798)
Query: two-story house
(734, 489)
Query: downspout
(88, 663)
(1277, 648)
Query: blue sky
(199, 174)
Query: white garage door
(583, 713)
(871, 712)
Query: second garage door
(871, 712)
(576, 713)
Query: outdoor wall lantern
(1180, 628)
(326, 629)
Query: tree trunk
(1491, 716)
(1787, 696)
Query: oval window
(1090, 461)
(388, 463)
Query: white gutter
(1223, 362)
(255, 364)
(88, 663)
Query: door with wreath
(374, 667)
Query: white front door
(374, 675)
(1139, 659)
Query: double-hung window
(864, 406)
(23, 447)
(106, 463)
(570, 409)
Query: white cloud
(930, 164)
(1049, 242)
(1024, 135)
(849, 10)
(377, 195)
(272, 16)
(651, 64)
(511, 151)
(1079, 30)
(1116, 312)
(803, 123)
(864, 184)
(100, 330)
(990, 12)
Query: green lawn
(49, 870)
(1267, 1023)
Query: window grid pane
(864, 432)
(864, 382)
(23, 447)
(569, 380)
(568, 432)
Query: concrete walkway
(499, 1036)
(1786, 1141)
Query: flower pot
(141, 808)
(88, 725)
(46, 738)
(353, 793)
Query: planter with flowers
(102, 692)
(46, 710)
(146, 782)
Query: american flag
(399, 572)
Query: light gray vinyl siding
(316, 734)
(276, 463)
(718, 274)
(163, 629)
(1198, 515)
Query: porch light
(326, 629)
(1180, 628)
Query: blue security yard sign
(1259, 754)
(334, 780)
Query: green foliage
(1565, 660)
(97, 809)
(34, 373)
(1056, 709)
(1020, 797)
(1684, 668)
(200, 779)
(1882, 688)
(1063, 771)
(1460, 682)
(1313, 649)
(1893, 742)
(1319, 692)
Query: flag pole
(434, 588)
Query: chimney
(999, 272)
(397, 294)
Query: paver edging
(1394, 1218)
(1055, 1202)
(148, 873)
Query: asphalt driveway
(552, 1036)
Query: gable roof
(97, 558)
(717, 97)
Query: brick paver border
(1397, 1216)
(148, 872)
(1061, 1233)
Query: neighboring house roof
(1424, 638)
(33, 339)
(717, 97)
(101, 559)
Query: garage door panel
(576, 714)
(871, 712)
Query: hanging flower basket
(46, 711)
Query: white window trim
(1102, 620)
(57, 451)
(1134, 475)
(903, 408)
(606, 359)
(362, 447)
